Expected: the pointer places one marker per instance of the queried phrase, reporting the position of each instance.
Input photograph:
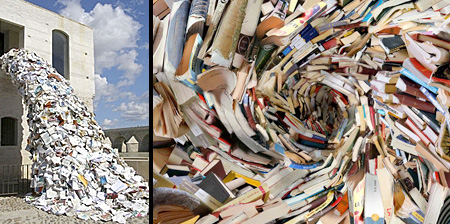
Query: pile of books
(287, 111)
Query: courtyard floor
(16, 210)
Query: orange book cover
(343, 205)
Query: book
(438, 195)
(274, 20)
(215, 167)
(311, 111)
(413, 102)
(392, 44)
(248, 29)
(406, 85)
(225, 41)
(175, 170)
(288, 31)
(373, 204)
(383, 86)
(214, 186)
(197, 17)
(176, 36)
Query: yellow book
(162, 181)
(82, 179)
(233, 175)
(191, 221)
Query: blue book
(369, 15)
(298, 166)
(432, 99)
(307, 33)
(312, 144)
(414, 78)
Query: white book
(373, 204)
(407, 132)
(438, 194)
(413, 116)
(277, 177)
(286, 182)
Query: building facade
(65, 43)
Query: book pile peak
(75, 171)
(289, 111)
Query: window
(9, 131)
(2, 44)
(60, 52)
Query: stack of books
(288, 111)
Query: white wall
(34, 32)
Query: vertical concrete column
(132, 145)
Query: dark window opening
(60, 52)
(2, 43)
(9, 131)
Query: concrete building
(65, 43)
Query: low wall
(140, 161)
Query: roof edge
(34, 5)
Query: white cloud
(104, 89)
(146, 46)
(109, 92)
(135, 110)
(115, 37)
(107, 123)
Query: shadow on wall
(119, 143)
(144, 145)
(11, 129)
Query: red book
(330, 44)
(417, 131)
(337, 93)
(368, 71)
(427, 72)
(249, 116)
(410, 87)
(413, 102)
(310, 139)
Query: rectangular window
(9, 131)
(2, 44)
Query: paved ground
(15, 210)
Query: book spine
(414, 91)
(328, 26)
(417, 131)
(176, 35)
(432, 99)
(369, 16)
(198, 12)
(312, 144)
(413, 102)
(247, 31)
(226, 39)
(411, 76)
(251, 121)
(310, 139)
(207, 199)
(427, 120)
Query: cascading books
(306, 111)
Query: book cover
(176, 35)
(214, 186)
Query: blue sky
(121, 46)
